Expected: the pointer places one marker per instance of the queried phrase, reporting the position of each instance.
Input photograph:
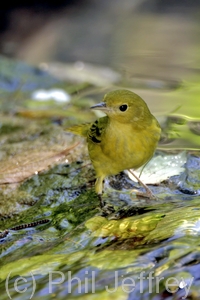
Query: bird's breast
(128, 147)
(123, 147)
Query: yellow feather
(81, 130)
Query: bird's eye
(123, 107)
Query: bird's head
(125, 107)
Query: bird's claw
(148, 194)
(101, 201)
(105, 209)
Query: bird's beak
(99, 106)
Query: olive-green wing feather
(96, 130)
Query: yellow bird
(124, 139)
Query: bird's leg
(99, 185)
(106, 209)
(102, 203)
(149, 193)
(99, 190)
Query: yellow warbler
(124, 139)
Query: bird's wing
(96, 130)
(82, 129)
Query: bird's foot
(101, 201)
(105, 209)
(148, 194)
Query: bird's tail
(81, 130)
